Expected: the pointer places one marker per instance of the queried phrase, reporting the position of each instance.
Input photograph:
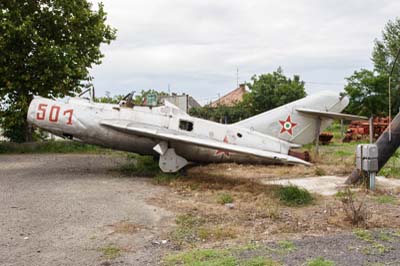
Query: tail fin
(297, 127)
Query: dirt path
(71, 210)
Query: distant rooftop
(231, 98)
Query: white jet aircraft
(177, 138)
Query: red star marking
(222, 151)
(287, 125)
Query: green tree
(368, 90)
(140, 98)
(271, 90)
(386, 49)
(221, 113)
(267, 91)
(46, 48)
(106, 99)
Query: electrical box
(370, 165)
(367, 157)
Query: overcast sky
(196, 46)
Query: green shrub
(224, 198)
(294, 196)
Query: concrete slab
(329, 185)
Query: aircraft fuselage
(80, 119)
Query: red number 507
(54, 113)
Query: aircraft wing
(332, 115)
(173, 135)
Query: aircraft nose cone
(32, 111)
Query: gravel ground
(345, 250)
(71, 210)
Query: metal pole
(341, 129)
(372, 181)
(371, 130)
(318, 132)
(237, 77)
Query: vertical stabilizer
(288, 124)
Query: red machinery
(359, 129)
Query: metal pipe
(371, 129)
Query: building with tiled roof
(231, 98)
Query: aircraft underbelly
(125, 142)
(200, 154)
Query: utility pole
(237, 77)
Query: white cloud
(196, 45)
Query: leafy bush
(294, 196)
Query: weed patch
(385, 237)
(320, 261)
(224, 198)
(260, 261)
(363, 235)
(286, 246)
(111, 252)
(203, 257)
(386, 199)
(215, 257)
(294, 196)
(216, 233)
(375, 249)
(187, 229)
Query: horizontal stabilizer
(332, 115)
